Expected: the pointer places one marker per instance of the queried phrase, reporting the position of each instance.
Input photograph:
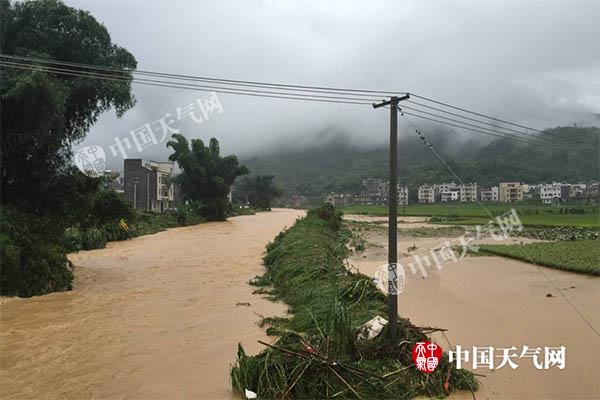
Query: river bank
(158, 316)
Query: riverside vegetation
(317, 354)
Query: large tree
(206, 177)
(42, 115)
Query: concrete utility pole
(393, 216)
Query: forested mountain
(337, 165)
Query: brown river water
(500, 302)
(156, 317)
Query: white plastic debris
(372, 328)
(250, 394)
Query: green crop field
(474, 214)
(577, 256)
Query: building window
(136, 179)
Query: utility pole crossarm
(391, 100)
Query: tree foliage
(206, 177)
(258, 190)
(43, 115)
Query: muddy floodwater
(156, 317)
(500, 302)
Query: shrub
(32, 258)
(329, 213)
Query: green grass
(581, 256)
(327, 304)
(474, 214)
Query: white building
(469, 192)
(427, 193)
(402, 195)
(449, 192)
(554, 192)
(489, 194)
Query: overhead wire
(282, 91)
(203, 88)
(501, 135)
(288, 87)
(559, 137)
(529, 258)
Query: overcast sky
(535, 62)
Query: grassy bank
(581, 256)
(144, 223)
(474, 214)
(327, 303)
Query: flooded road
(156, 317)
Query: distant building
(338, 200)
(510, 192)
(531, 192)
(449, 192)
(469, 192)
(489, 194)
(402, 195)
(148, 184)
(294, 201)
(427, 193)
(556, 192)
(577, 189)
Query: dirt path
(494, 301)
(155, 317)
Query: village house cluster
(509, 192)
(373, 192)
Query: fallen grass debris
(317, 354)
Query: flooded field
(499, 302)
(156, 317)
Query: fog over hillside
(540, 72)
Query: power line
(495, 134)
(247, 92)
(537, 267)
(203, 88)
(566, 138)
(285, 87)
(314, 92)
(531, 138)
(289, 87)
(473, 112)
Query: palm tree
(206, 177)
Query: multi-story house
(427, 193)
(531, 192)
(550, 193)
(148, 184)
(554, 193)
(469, 192)
(510, 192)
(489, 194)
(577, 189)
(449, 192)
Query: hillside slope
(337, 165)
